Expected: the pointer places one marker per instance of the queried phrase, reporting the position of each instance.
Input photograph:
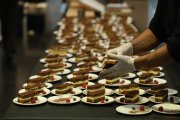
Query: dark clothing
(166, 25)
(8, 16)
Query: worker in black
(164, 28)
(8, 16)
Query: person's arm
(144, 42)
(157, 58)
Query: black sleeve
(156, 24)
(173, 42)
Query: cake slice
(56, 67)
(79, 80)
(38, 87)
(145, 78)
(155, 71)
(111, 80)
(132, 96)
(128, 88)
(26, 97)
(46, 73)
(81, 71)
(107, 63)
(156, 88)
(38, 79)
(64, 88)
(161, 96)
(95, 93)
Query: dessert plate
(66, 65)
(142, 100)
(159, 81)
(75, 91)
(121, 82)
(83, 86)
(170, 91)
(91, 76)
(47, 85)
(42, 60)
(64, 99)
(160, 75)
(45, 92)
(107, 92)
(129, 76)
(107, 100)
(175, 99)
(64, 72)
(40, 100)
(72, 60)
(141, 92)
(166, 108)
(128, 109)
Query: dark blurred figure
(8, 16)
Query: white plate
(130, 75)
(160, 81)
(125, 109)
(142, 100)
(47, 92)
(170, 91)
(91, 76)
(168, 108)
(103, 81)
(56, 78)
(75, 90)
(160, 75)
(107, 92)
(72, 101)
(80, 87)
(69, 55)
(40, 100)
(42, 60)
(176, 99)
(141, 92)
(110, 100)
(72, 60)
(66, 65)
(47, 85)
(66, 71)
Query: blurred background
(26, 28)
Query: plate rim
(39, 97)
(132, 113)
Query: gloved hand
(126, 49)
(124, 65)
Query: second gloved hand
(124, 65)
(126, 49)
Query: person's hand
(124, 65)
(126, 49)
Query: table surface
(85, 111)
(80, 111)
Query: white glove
(124, 65)
(126, 49)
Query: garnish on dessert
(160, 109)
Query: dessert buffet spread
(71, 69)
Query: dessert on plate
(64, 88)
(95, 93)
